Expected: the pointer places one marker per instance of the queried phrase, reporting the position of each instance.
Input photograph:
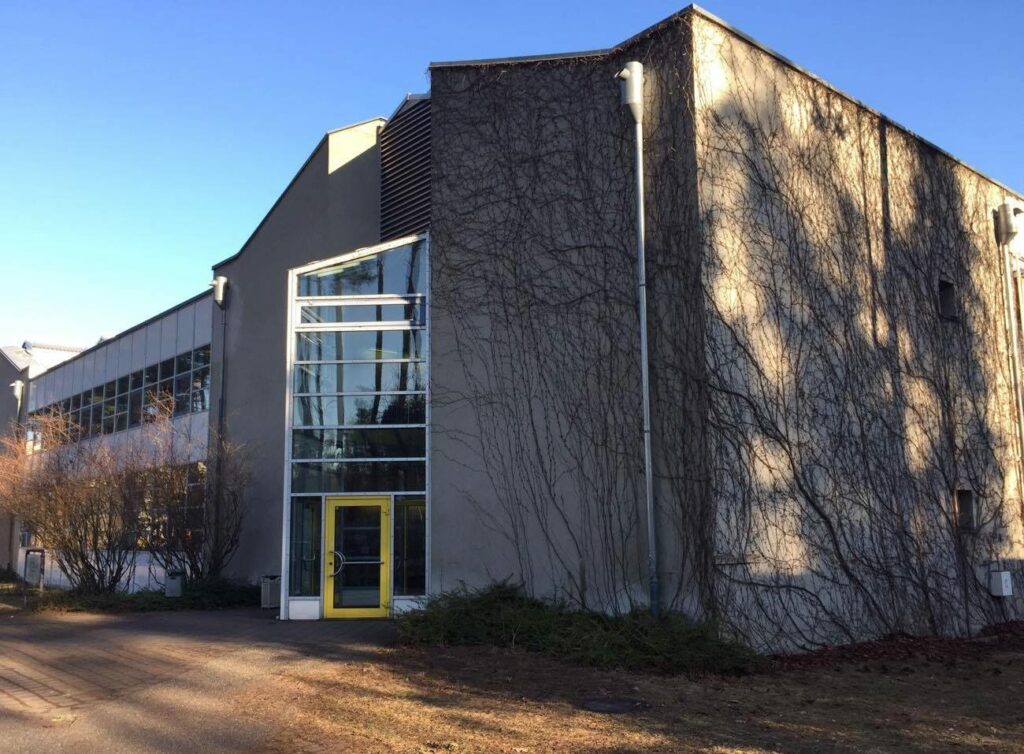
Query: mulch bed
(896, 649)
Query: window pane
(166, 369)
(410, 549)
(182, 393)
(360, 378)
(201, 357)
(353, 313)
(360, 409)
(152, 374)
(184, 363)
(122, 403)
(122, 385)
(134, 408)
(201, 389)
(364, 345)
(121, 422)
(398, 271)
(110, 389)
(369, 476)
(304, 568)
(359, 443)
(136, 380)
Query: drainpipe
(1005, 232)
(220, 285)
(632, 78)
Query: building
(431, 343)
(19, 365)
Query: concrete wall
(844, 410)
(331, 207)
(537, 466)
(813, 413)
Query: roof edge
(128, 331)
(319, 145)
(694, 9)
(13, 363)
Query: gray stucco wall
(537, 454)
(331, 207)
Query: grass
(208, 596)
(502, 616)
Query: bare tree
(74, 498)
(95, 503)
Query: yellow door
(357, 558)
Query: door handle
(340, 561)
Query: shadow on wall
(844, 411)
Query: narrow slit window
(947, 300)
(966, 511)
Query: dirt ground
(241, 681)
(481, 700)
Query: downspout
(1005, 232)
(632, 78)
(219, 285)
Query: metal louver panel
(405, 170)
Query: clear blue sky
(141, 141)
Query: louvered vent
(405, 170)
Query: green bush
(210, 595)
(503, 616)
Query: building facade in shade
(431, 347)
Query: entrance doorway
(357, 558)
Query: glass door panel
(357, 558)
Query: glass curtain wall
(359, 403)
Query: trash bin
(270, 591)
(174, 583)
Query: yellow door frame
(384, 505)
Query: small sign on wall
(34, 562)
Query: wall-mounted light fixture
(220, 287)
(18, 389)
(1006, 223)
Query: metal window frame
(293, 325)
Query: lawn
(501, 700)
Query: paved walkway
(152, 681)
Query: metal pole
(632, 77)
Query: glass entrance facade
(357, 417)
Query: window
(359, 476)
(359, 345)
(304, 565)
(381, 376)
(947, 301)
(966, 511)
(182, 381)
(359, 403)
(410, 548)
(401, 271)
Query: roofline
(356, 125)
(305, 164)
(409, 97)
(694, 9)
(13, 364)
(129, 331)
